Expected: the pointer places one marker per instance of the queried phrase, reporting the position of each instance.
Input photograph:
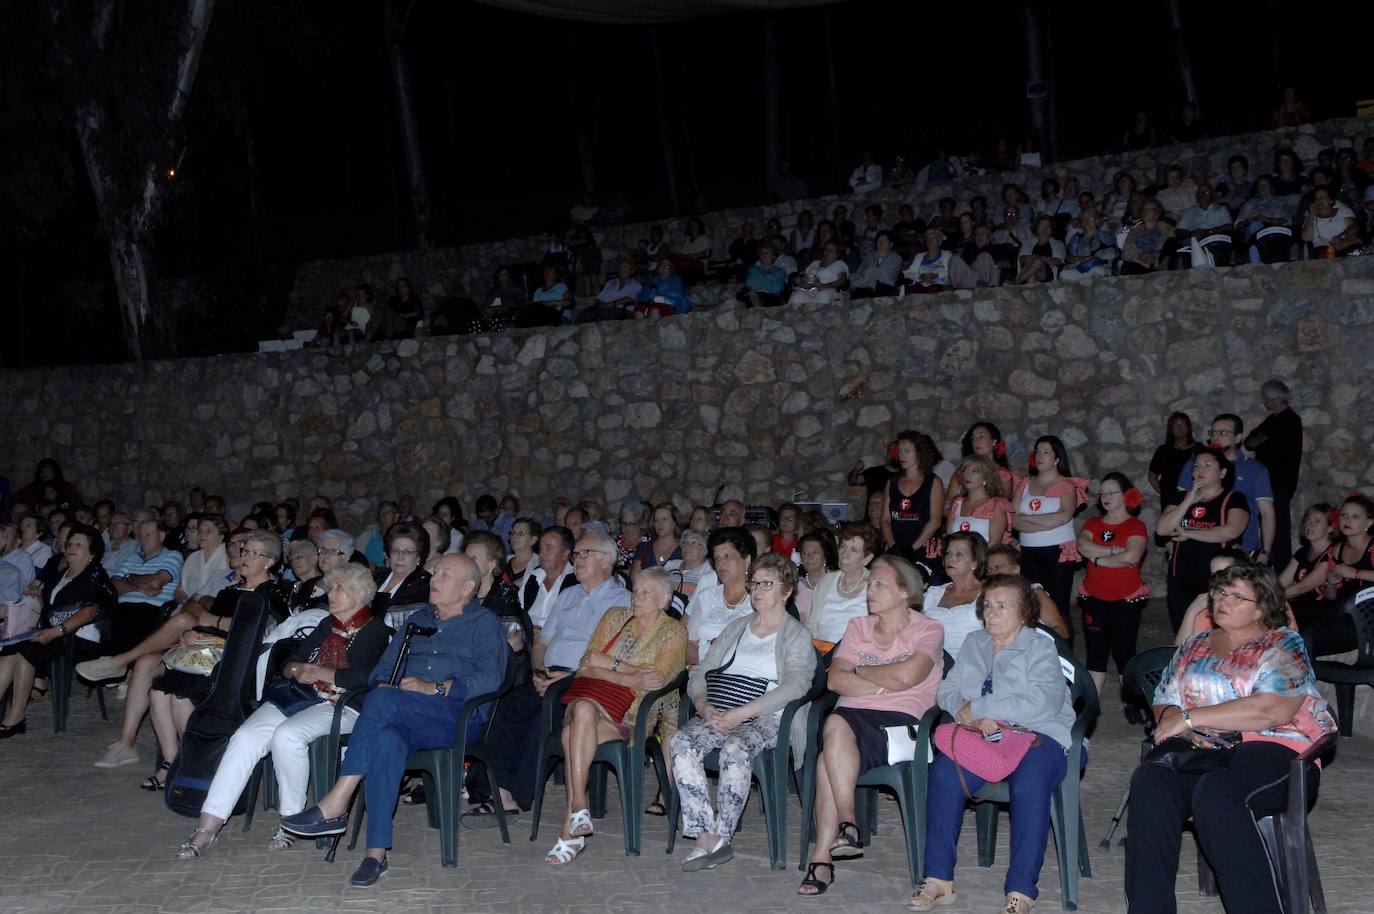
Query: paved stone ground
(78, 839)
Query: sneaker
(117, 756)
(122, 691)
(101, 669)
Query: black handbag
(1177, 753)
(290, 696)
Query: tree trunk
(147, 322)
(772, 105)
(1181, 59)
(399, 60)
(665, 129)
(1035, 71)
(583, 120)
(1051, 150)
(833, 94)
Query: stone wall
(468, 270)
(771, 402)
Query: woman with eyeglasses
(404, 581)
(524, 555)
(1211, 516)
(632, 538)
(758, 664)
(1246, 686)
(694, 568)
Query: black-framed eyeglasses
(764, 585)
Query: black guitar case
(223, 711)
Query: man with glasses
(1277, 443)
(557, 653)
(1251, 480)
(336, 549)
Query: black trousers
(1110, 628)
(1179, 593)
(1041, 565)
(1224, 806)
(1283, 530)
(514, 740)
(130, 623)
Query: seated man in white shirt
(616, 299)
(867, 176)
(824, 278)
(1205, 218)
(553, 576)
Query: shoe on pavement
(117, 756)
(368, 872)
(101, 669)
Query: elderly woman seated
(634, 650)
(1245, 685)
(174, 694)
(880, 270)
(298, 708)
(764, 283)
(663, 293)
(823, 278)
(72, 604)
(464, 658)
(757, 665)
(1005, 676)
(404, 582)
(886, 671)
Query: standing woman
(1210, 517)
(843, 595)
(663, 550)
(1046, 503)
(819, 557)
(1112, 594)
(1348, 569)
(915, 497)
(985, 440)
(979, 505)
(769, 661)
(1170, 457)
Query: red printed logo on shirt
(965, 527)
(1035, 504)
(1199, 511)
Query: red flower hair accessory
(1335, 517)
(1132, 498)
(1001, 449)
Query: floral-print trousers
(737, 748)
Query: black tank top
(909, 513)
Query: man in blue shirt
(465, 657)
(1252, 481)
(557, 653)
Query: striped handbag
(727, 691)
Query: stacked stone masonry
(467, 270)
(775, 403)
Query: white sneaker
(118, 755)
(100, 669)
(121, 691)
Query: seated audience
(1041, 256)
(765, 280)
(823, 279)
(694, 564)
(663, 293)
(732, 552)
(928, 272)
(954, 604)
(842, 595)
(879, 270)
(867, 176)
(403, 582)
(1149, 244)
(1090, 250)
(551, 302)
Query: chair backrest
(1360, 608)
(1145, 669)
(949, 664)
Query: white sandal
(580, 823)
(565, 851)
(189, 850)
(281, 841)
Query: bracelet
(615, 664)
(881, 691)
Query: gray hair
(342, 537)
(303, 547)
(596, 539)
(632, 510)
(659, 578)
(695, 535)
(1275, 389)
(269, 541)
(356, 578)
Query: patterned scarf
(334, 651)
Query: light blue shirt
(574, 618)
(469, 648)
(23, 564)
(168, 560)
(113, 559)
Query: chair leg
(630, 773)
(985, 815)
(251, 794)
(596, 789)
(537, 808)
(358, 814)
(1345, 709)
(665, 787)
(1314, 878)
(1067, 835)
(447, 781)
(60, 683)
(100, 701)
(431, 798)
(913, 824)
(807, 795)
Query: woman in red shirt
(1112, 594)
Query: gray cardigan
(1028, 684)
(793, 650)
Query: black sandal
(656, 808)
(151, 783)
(811, 882)
(851, 847)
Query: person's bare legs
(167, 635)
(584, 728)
(136, 701)
(15, 670)
(837, 773)
(160, 710)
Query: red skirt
(614, 699)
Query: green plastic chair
(1345, 676)
(626, 758)
(1066, 809)
(772, 769)
(905, 779)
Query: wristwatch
(1187, 718)
(440, 689)
(62, 627)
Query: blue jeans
(394, 723)
(1031, 786)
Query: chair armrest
(552, 695)
(1319, 748)
(646, 705)
(339, 705)
(471, 707)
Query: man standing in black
(1277, 443)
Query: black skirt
(869, 732)
(190, 686)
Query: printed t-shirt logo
(1108, 535)
(1199, 511)
(1035, 504)
(965, 527)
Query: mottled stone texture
(771, 402)
(468, 270)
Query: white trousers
(288, 739)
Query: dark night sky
(496, 92)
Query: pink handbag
(991, 760)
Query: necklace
(733, 606)
(852, 591)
